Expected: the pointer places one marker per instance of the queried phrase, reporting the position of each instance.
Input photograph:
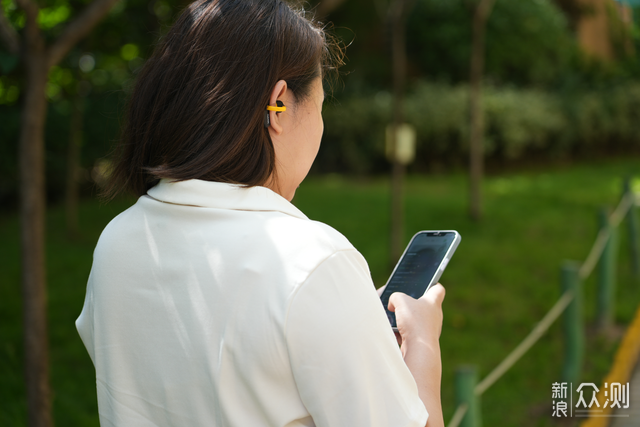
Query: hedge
(517, 122)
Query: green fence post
(465, 382)
(573, 326)
(606, 306)
(632, 223)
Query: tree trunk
(399, 59)
(37, 61)
(32, 210)
(73, 164)
(476, 114)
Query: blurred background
(552, 99)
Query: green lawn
(502, 280)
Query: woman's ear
(278, 93)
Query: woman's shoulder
(307, 233)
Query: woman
(213, 301)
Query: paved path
(633, 420)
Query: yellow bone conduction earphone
(279, 108)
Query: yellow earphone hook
(280, 107)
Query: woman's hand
(419, 318)
(419, 324)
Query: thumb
(397, 300)
(435, 294)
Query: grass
(502, 280)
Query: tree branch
(8, 34)
(32, 37)
(79, 28)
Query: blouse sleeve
(345, 359)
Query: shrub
(517, 121)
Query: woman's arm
(419, 326)
(344, 357)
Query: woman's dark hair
(197, 109)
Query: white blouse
(211, 304)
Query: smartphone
(420, 266)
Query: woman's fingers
(422, 316)
(436, 293)
(392, 299)
(399, 301)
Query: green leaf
(129, 51)
(49, 17)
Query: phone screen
(417, 267)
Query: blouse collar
(222, 195)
